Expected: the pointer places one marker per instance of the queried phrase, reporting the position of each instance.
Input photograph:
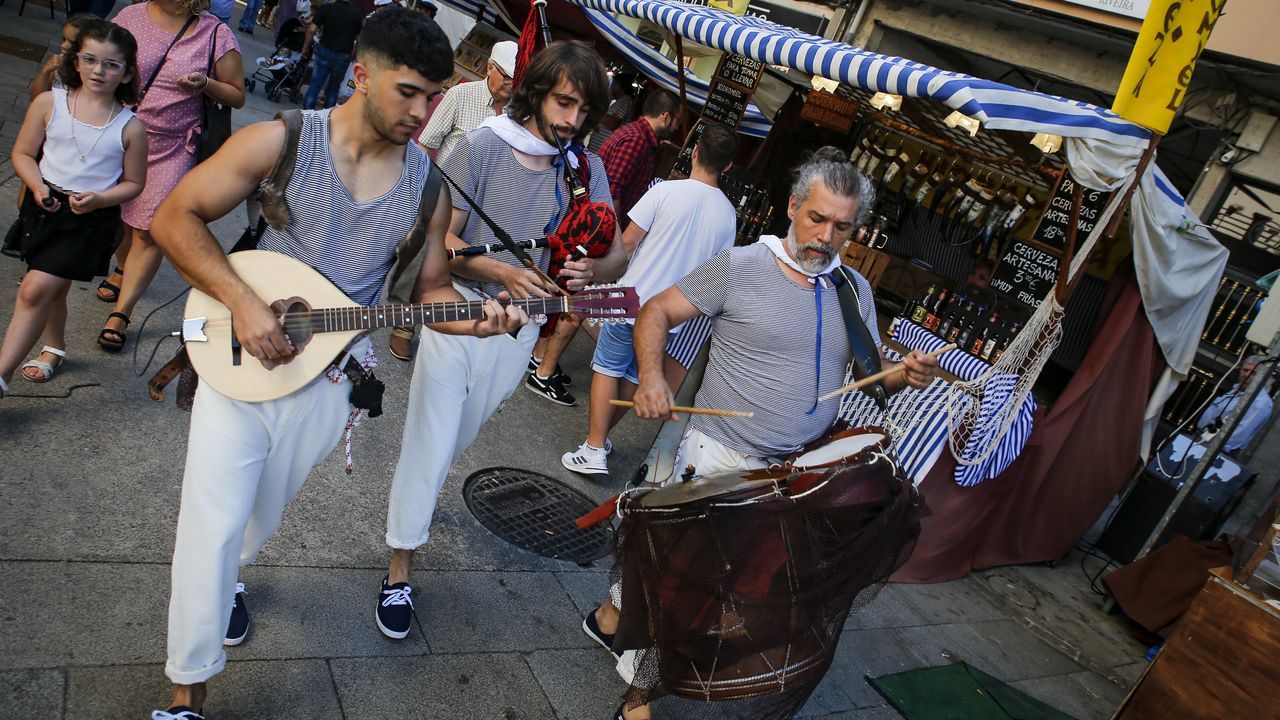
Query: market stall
(1007, 481)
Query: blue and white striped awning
(998, 106)
(473, 9)
(662, 70)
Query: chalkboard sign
(830, 111)
(740, 70)
(725, 104)
(1026, 273)
(1056, 220)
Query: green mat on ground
(959, 692)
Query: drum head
(727, 485)
(838, 450)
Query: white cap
(504, 56)
(382, 3)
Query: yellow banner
(1164, 57)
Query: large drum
(736, 587)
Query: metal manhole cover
(536, 513)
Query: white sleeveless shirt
(92, 160)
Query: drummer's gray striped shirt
(762, 351)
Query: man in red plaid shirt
(629, 153)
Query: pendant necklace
(110, 118)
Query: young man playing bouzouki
(510, 167)
(353, 196)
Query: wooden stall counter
(1222, 661)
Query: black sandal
(110, 344)
(111, 287)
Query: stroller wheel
(295, 96)
(273, 95)
(250, 84)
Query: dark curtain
(1079, 456)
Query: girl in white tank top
(95, 157)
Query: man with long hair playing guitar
(354, 195)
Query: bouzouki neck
(379, 316)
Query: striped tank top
(352, 244)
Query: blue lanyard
(554, 223)
(818, 283)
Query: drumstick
(882, 374)
(690, 410)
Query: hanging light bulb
(1047, 143)
(886, 101)
(959, 119)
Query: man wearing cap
(462, 110)
(339, 23)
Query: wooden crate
(871, 263)
(1220, 661)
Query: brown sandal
(111, 287)
(401, 342)
(106, 341)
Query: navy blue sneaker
(395, 610)
(238, 627)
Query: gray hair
(831, 166)
(1254, 359)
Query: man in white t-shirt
(675, 226)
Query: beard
(373, 116)
(549, 133)
(808, 264)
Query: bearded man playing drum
(778, 339)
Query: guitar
(324, 331)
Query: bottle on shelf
(921, 309)
(1004, 344)
(934, 315)
(981, 339)
(949, 316)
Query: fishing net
(736, 604)
(982, 409)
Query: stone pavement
(90, 475)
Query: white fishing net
(981, 410)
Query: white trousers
(709, 456)
(245, 462)
(458, 382)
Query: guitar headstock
(605, 303)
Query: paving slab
(245, 691)
(1084, 696)
(1057, 604)
(951, 602)
(461, 687)
(587, 589)
(58, 614)
(891, 607)
(32, 694)
(578, 683)
(497, 611)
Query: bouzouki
(322, 321)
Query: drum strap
(862, 345)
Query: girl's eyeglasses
(111, 66)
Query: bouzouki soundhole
(297, 322)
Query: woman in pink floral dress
(170, 111)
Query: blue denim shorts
(616, 353)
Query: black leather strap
(164, 57)
(862, 345)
